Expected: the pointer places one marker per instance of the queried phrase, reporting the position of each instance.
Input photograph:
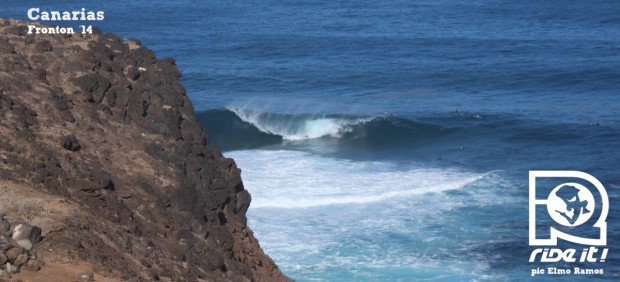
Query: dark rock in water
(71, 143)
(154, 199)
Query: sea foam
(328, 218)
(292, 179)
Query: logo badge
(572, 199)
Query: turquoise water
(392, 140)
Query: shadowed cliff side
(105, 125)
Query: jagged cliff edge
(102, 123)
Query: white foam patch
(329, 219)
(291, 179)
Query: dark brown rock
(21, 260)
(41, 73)
(19, 30)
(33, 265)
(133, 73)
(6, 47)
(43, 46)
(5, 243)
(3, 259)
(94, 87)
(5, 227)
(71, 143)
(14, 252)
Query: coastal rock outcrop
(16, 245)
(103, 123)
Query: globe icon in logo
(570, 204)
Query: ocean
(391, 140)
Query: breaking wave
(236, 128)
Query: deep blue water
(392, 140)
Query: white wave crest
(297, 127)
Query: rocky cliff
(103, 133)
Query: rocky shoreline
(101, 124)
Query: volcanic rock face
(103, 123)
